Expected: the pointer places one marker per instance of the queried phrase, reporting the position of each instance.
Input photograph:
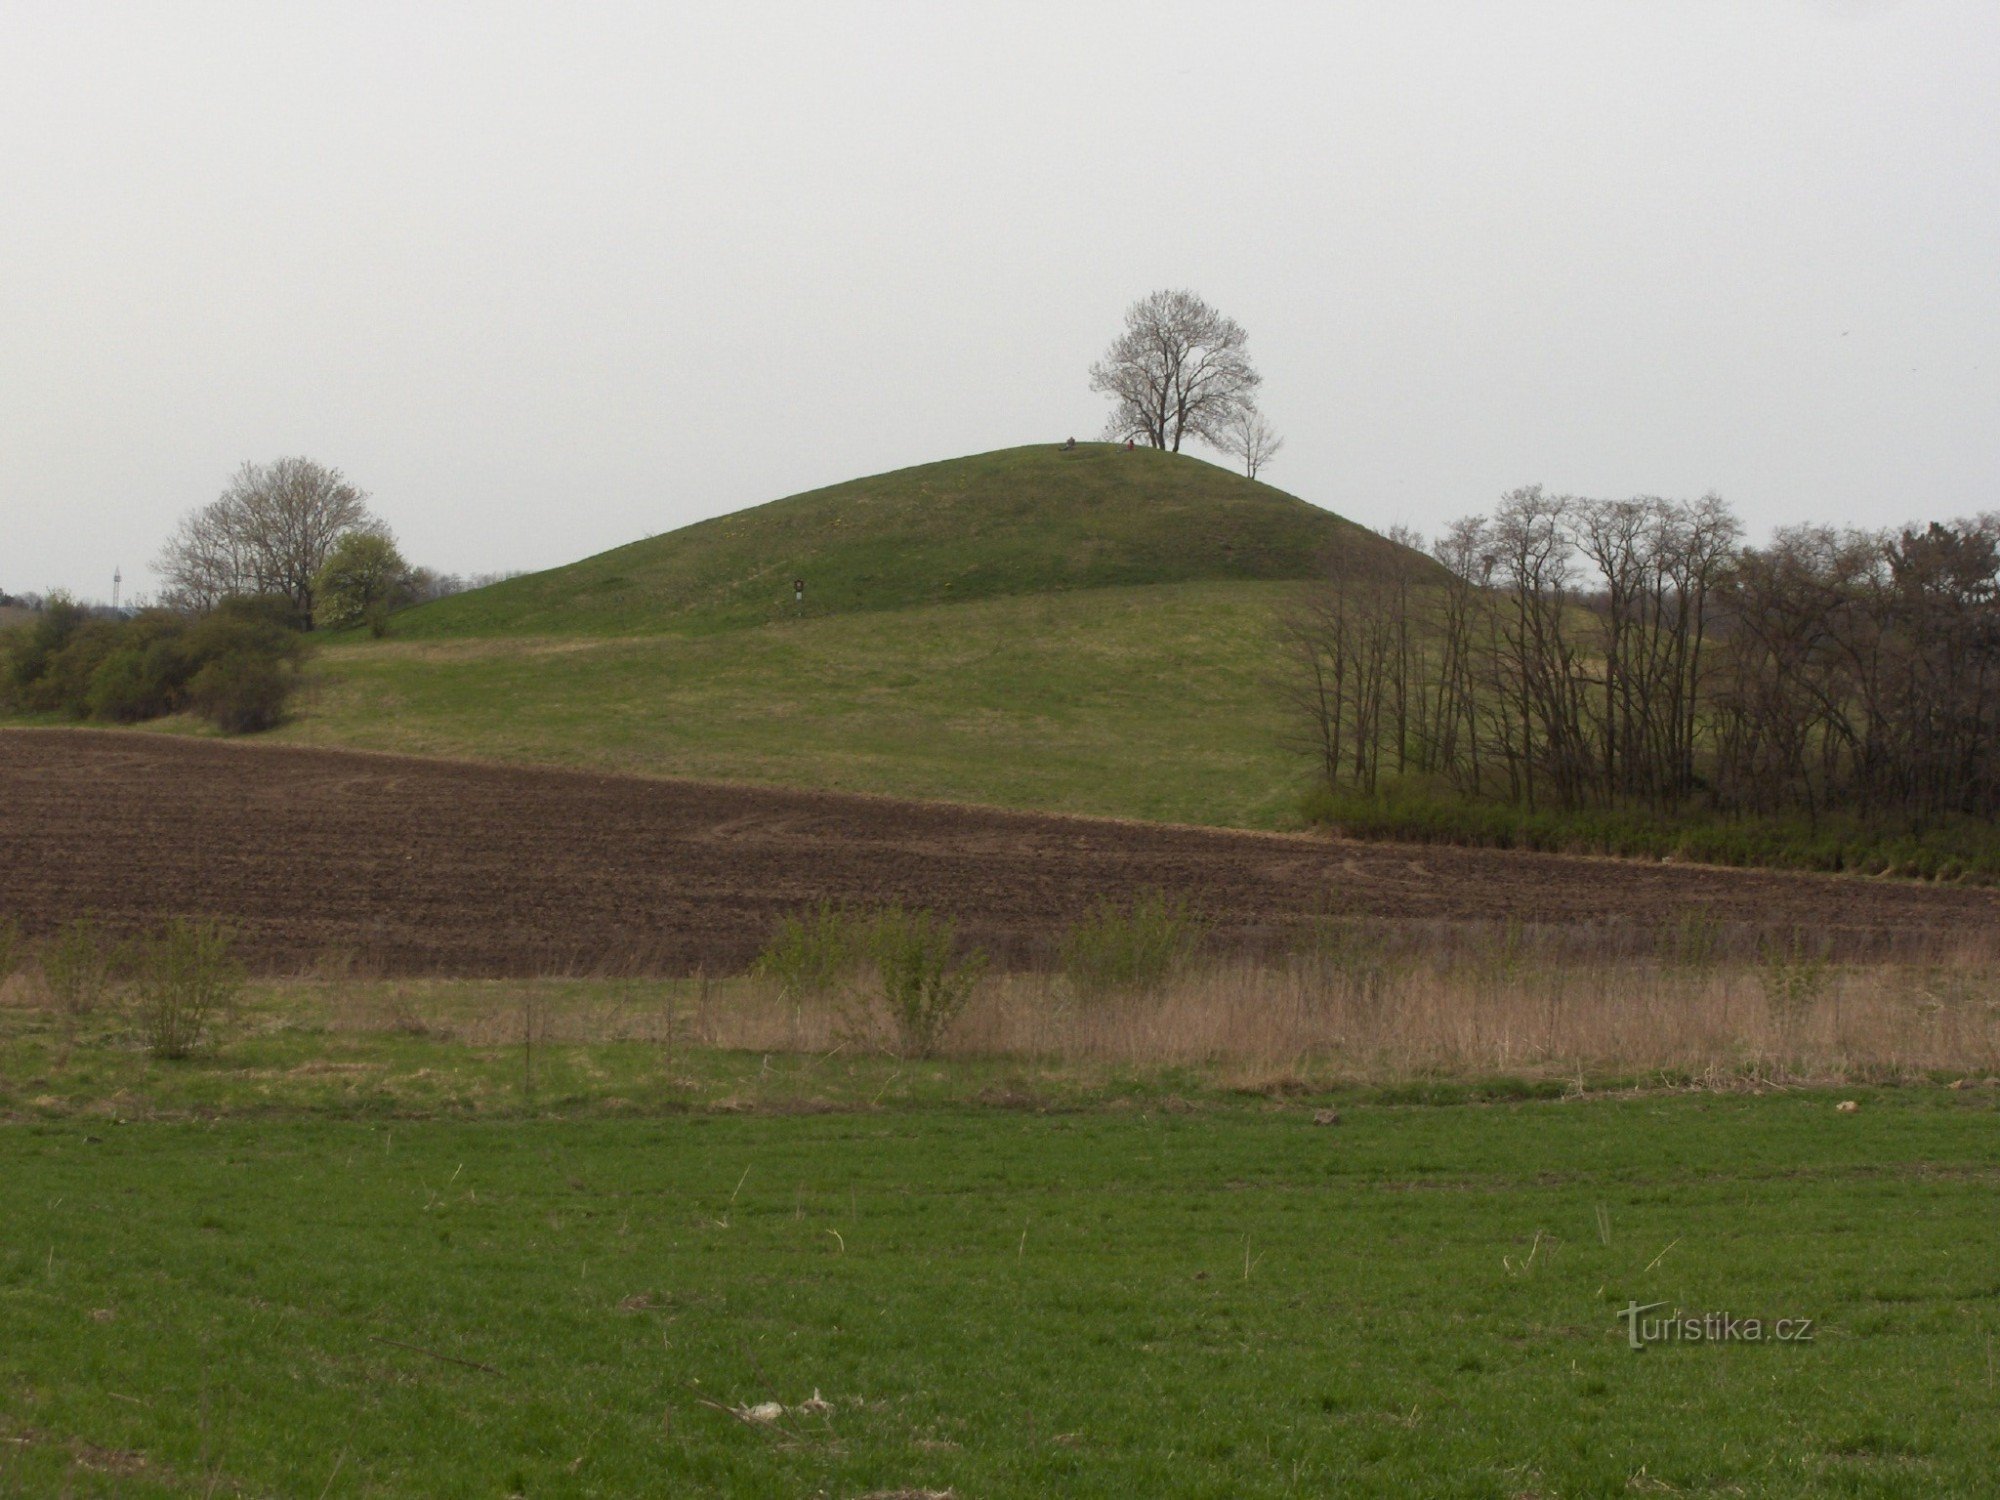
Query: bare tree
(1564, 657)
(1251, 439)
(207, 560)
(270, 532)
(1178, 369)
(1630, 653)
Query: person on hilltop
(1071, 443)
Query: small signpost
(798, 591)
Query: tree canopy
(1180, 368)
(270, 532)
(362, 580)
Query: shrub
(924, 987)
(144, 675)
(361, 581)
(188, 981)
(77, 965)
(66, 678)
(23, 683)
(125, 689)
(244, 659)
(1793, 978)
(813, 950)
(1131, 946)
(117, 691)
(237, 664)
(242, 692)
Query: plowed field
(420, 865)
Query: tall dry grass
(1445, 1020)
(1363, 1003)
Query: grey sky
(546, 278)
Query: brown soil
(413, 865)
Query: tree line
(1570, 653)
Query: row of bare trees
(1572, 653)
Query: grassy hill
(1087, 631)
(1018, 521)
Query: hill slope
(1016, 521)
(1087, 630)
(1139, 702)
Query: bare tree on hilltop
(1251, 438)
(270, 532)
(1179, 369)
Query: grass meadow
(1066, 702)
(1358, 1221)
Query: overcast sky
(547, 278)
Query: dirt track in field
(414, 865)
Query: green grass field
(1145, 702)
(1230, 1302)
(371, 1247)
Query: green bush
(813, 950)
(77, 965)
(188, 981)
(361, 581)
(118, 692)
(924, 986)
(134, 684)
(1136, 945)
(24, 680)
(244, 658)
(65, 682)
(241, 693)
(237, 665)
(144, 674)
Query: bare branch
(1250, 437)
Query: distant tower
(117, 577)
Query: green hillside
(1136, 702)
(1091, 630)
(1017, 521)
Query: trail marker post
(798, 591)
